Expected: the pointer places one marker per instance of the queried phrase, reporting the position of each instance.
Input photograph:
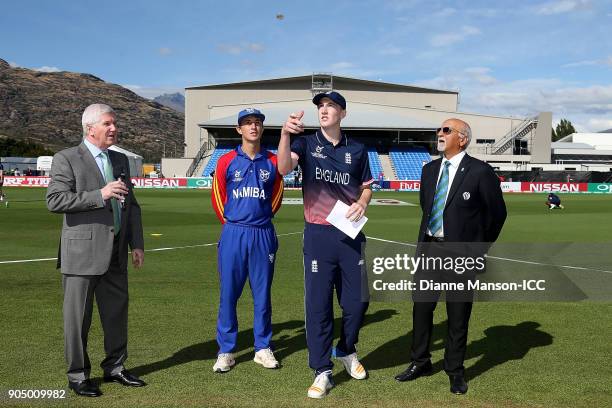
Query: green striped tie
(437, 210)
(108, 175)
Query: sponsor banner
(511, 186)
(26, 181)
(600, 188)
(141, 182)
(405, 185)
(394, 185)
(527, 187)
(199, 182)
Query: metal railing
(197, 160)
(507, 141)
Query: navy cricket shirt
(330, 173)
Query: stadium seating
(408, 162)
(220, 151)
(212, 163)
(375, 165)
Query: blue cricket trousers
(332, 259)
(245, 251)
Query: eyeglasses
(446, 130)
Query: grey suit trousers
(111, 293)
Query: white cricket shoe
(266, 358)
(353, 366)
(224, 363)
(321, 385)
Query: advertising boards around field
(538, 187)
(26, 181)
(141, 182)
(199, 182)
(174, 182)
(600, 188)
(394, 185)
(405, 185)
(511, 186)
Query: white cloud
(343, 65)
(469, 77)
(580, 64)
(237, 49)
(13, 64)
(164, 51)
(600, 124)
(480, 75)
(443, 40)
(46, 68)
(561, 6)
(606, 61)
(588, 107)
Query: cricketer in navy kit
(247, 192)
(334, 167)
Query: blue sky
(505, 57)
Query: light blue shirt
(95, 152)
(452, 171)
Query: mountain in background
(606, 131)
(174, 101)
(46, 107)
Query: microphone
(121, 176)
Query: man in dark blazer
(462, 207)
(90, 186)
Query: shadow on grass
(500, 345)
(285, 344)
(504, 343)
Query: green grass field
(519, 354)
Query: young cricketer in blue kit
(247, 192)
(334, 167)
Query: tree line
(10, 147)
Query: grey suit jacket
(88, 230)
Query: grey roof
(124, 151)
(570, 145)
(274, 81)
(363, 118)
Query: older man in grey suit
(90, 186)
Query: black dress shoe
(414, 371)
(85, 388)
(125, 378)
(457, 384)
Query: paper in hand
(337, 218)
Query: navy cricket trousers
(245, 251)
(332, 259)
